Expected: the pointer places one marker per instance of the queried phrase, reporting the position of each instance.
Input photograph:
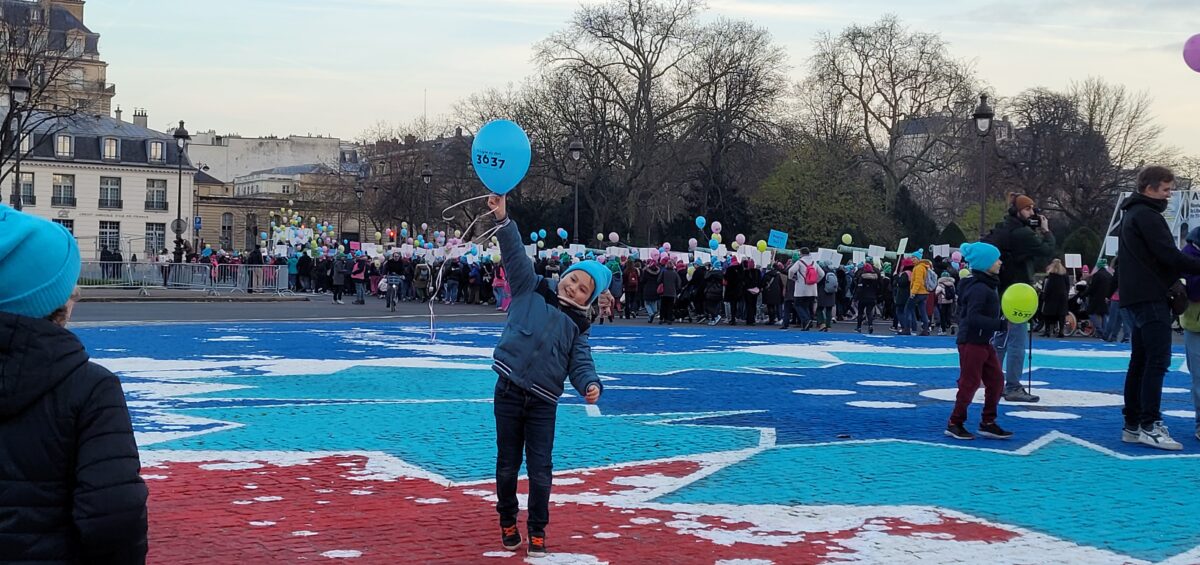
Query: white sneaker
(1129, 436)
(1158, 437)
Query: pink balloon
(654, 254)
(956, 256)
(692, 243)
(716, 227)
(667, 245)
(613, 237)
(741, 239)
(602, 258)
(1191, 52)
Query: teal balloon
(562, 233)
(500, 155)
(713, 244)
(533, 236)
(542, 233)
(701, 221)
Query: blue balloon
(500, 155)
(404, 232)
(562, 233)
(713, 244)
(346, 241)
(701, 222)
(542, 233)
(533, 236)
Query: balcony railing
(110, 204)
(156, 206)
(28, 200)
(68, 201)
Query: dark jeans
(790, 315)
(667, 313)
(524, 426)
(866, 310)
(804, 305)
(977, 363)
(945, 316)
(1151, 342)
(751, 308)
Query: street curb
(113, 299)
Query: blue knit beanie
(599, 273)
(980, 255)
(39, 264)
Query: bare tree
(889, 77)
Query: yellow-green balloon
(762, 246)
(599, 237)
(717, 237)
(1019, 303)
(964, 274)
(846, 239)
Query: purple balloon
(1191, 52)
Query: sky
(337, 67)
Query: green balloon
(1019, 303)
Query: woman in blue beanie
(70, 490)
(544, 341)
(979, 319)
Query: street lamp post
(181, 141)
(358, 193)
(427, 177)
(18, 95)
(576, 151)
(983, 126)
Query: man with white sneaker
(1149, 264)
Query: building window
(64, 146)
(27, 196)
(35, 15)
(251, 231)
(226, 231)
(156, 195)
(156, 238)
(110, 192)
(64, 190)
(287, 189)
(26, 144)
(112, 149)
(69, 224)
(158, 152)
(110, 235)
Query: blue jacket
(978, 308)
(541, 344)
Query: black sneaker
(511, 537)
(994, 431)
(956, 431)
(537, 545)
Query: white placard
(704, 256)
(281, 250)
(1110, 245)
(826, 255)
(544, 254)
(941, 251)
(902, 246)
(876, 252)
(370, 249)
(531, 250)
(420, 252)
(576, 249)
(860, 257)
(1074, 260)
(439, 253)
(722, 251)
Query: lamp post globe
(181, 140)
(19, 88)
(426, 174)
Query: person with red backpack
(807, 275)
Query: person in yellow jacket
(923, 282)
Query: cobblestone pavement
(370, 442)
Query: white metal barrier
(228, 279)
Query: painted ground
(372, 443)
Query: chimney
(117, 113)
(410, 140)
(458, 132)
(140, 118)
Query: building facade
(111, 183)
(231, 156)
(62, 53)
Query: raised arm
(518, 267)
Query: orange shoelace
(537, 541)
(510, 530)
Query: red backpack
(811, 276)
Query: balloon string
(440, 280)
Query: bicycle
(393, 287)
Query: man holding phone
(1026, 245)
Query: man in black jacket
(70, 490)
(1150, 264)
(1026, 245)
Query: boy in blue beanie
(545, 340)
(70, 489)
(979, 319)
